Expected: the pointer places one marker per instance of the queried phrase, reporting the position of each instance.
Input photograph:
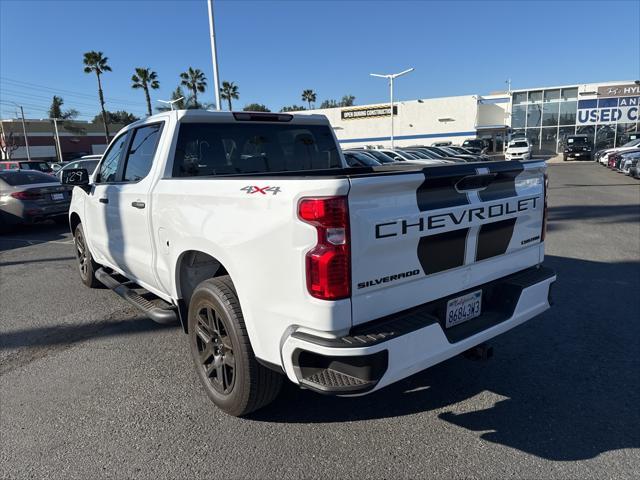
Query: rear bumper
(387, 350)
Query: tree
(256, 107)
(229, 91)
(95, 62)
(179, 105)
(8, 143)
(329, 104)
(120, 117)
(55, 110)
(145, 78)
(309, 96)
(292, 108)
(347, 101)
(195, 81)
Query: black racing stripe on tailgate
(494, 238)
(442, 251)
(438, 189)
(504, 183)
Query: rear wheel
(86, 266)
(222, 353)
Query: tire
(86, 266)
(564, 158)
(236, 383)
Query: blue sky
(275, 49)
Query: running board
(164, 313)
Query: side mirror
(78, 177)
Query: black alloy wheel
(86, 266)
(215, 349)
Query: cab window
(110, 165)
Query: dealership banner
(368, 112)
(608, 110)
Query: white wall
(416, 119)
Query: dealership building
(607, 112)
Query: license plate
(57, 196)
(463, 308)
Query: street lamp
(391, 77)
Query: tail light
(328, 264)
(545, 208)
(27, 195)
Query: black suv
(579, 147)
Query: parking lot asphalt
(89, 389)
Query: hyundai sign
(608, 110)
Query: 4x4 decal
(251, 189)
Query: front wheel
(222, 353)
(86, 265)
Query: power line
(71, 104)
(66, 92)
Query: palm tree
(96, 62)
(145, 78)
(195, 81)
(229, 91)
(309, 96)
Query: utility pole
(392, 77)
(58, 147)
(24, 131)
(214, 54)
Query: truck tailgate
(420, 236)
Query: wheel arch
(193, 267)
(74, 221)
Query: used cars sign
(608, 110)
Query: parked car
(443, 153)
(634, 171)
(519, 149)
(26, 165)
(440, 144)
(55, 166)
(579, 147)
(280, 262)
(603, 155)
(376, 154)
(476, 145)
(398, 155)
(359, 159)
(629, 161)
(29, 196)
(89, 165)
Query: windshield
(381, 157)
(357, 159)
(23, 177)
(442, 152)
(241, 148)
(632, 143)
(519, 145)
(40, 166)
(578, 141)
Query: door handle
(103, 200)
(138, 204)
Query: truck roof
(242, 116)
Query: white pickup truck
(279, 260)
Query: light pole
(58, 147)
(391, 77)
(24, 131)
(214, 53)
